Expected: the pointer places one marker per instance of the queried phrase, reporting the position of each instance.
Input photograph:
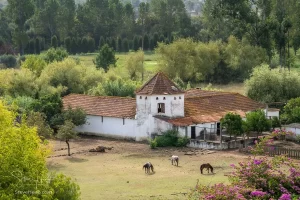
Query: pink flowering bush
(280, 134)
(258, 178)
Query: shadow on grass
(76, 160)
(150, 174)
(210, 174)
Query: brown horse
(147, 167)
(207, 166)
(175, 159)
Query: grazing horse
(207, 166)
(175, 159)
(147, 167)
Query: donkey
(147, 167)
(175, 159)
(207, 166)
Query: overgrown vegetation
(169, 138)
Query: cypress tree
(73, 45)
(113, 44)
(31, 46)
(84, 45)
(42, 42)
(161, 38)
(151, 44)
(54, 41)
(167, 41)
(146, 42)
(125, 46)
(135, 45)
(108, 41)
(140, 42)
(155, 40)
(37, 46)
(91, 44)
(119, 44)
(68, 44)
(101, 42)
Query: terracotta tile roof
(159, 84)
(120, 107)
(198, 119)
(210, 106)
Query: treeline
(73, 25)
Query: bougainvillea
(259, 178)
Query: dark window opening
(174, 98)
(123, 121)
(140, 97)
(145, 97)
(179, 97)
(101, 118)
(161, 108)
(164, 98)
(156, 98)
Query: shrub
(171, 138)
(8, 60)
(153, 144)
(58, 54)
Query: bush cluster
(169, 138)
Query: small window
(179, 97)
(161, 108)
(146, 98)
(102, 119)
(164, 98)
(174, 98)
(140, 97)
(156, 98)
(123, 121)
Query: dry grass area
(118, 174)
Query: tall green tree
(257, 122)
(105, 58)
(233, 124)
(66, 132)
(20, 12)
(144, 12)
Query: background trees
(105, 58)
(233, 124)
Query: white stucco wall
(271, 114)
(294, 130)
(111, 126)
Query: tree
(37, 119)
(53, 55)
(135, 43)
(20, 12)
(258, 122)
(37, 46)
(134, 64)
(66, 132)
(101, 42)
(91, 44)
(146, 43)
(54, 42)
(292, 111)
(119, 44)
(31, 46)
(34, 63)
(105, 58)
(270, 85)
(76, 116)
(20, 174)
(113, 44)
(233, 124)
(144, 11)
(68, 44)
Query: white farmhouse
(159, 106)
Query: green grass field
(118, 174)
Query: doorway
(193, 132)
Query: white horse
(175, 159)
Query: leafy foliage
(23, 164)
(67, 132)
(134, 65)
(77, 116)
(34, 63)
(9, 61)
(257, 121)
(233, 124)
(271, 85)
(38, 120)
(105, 58)
(57, 54)
(292, 111)
(170, 138)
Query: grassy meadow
(118, 174)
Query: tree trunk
(67, 141)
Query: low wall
(216, 144)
